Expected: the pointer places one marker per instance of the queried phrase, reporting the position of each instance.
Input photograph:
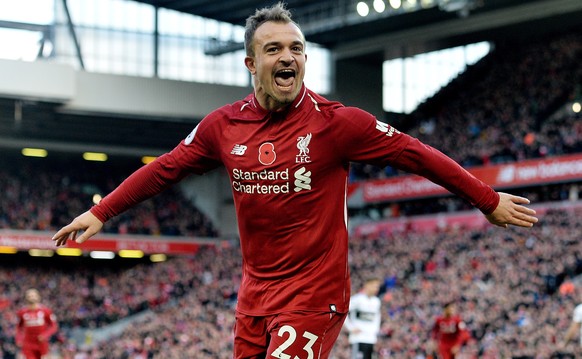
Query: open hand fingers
(517, 199)
(523, 216)
(511, 210)
(79, 230)
(85, 235)
(61, 237)
(64, 234)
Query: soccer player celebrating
(450, 332)
(36, 325)
(287, 152)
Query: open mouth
(285, 78)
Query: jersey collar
(252, 102)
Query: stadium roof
(371, 40)
(434, 23)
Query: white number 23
(279, 352)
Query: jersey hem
(252, 313)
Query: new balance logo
(507, 174)
(238, 150)
(302, 179)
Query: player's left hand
(511, 210)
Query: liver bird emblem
(303, 143)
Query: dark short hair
(449, 303)
(276, 13)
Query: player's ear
(250, 64)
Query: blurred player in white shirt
(363, 321)
(575, 328)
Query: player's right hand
(87, 223)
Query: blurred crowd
(509, 286)
(92, 296)
(46, 194)
(506, 108)
(506, 283)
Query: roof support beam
(459, 26)
(73, 34)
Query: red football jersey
(288, 171)
(450, 331)
(35, 324)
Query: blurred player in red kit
(36, 325)
(450, 332)
(287, 151)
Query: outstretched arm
(511, 210)
(501, 209)
(144, 183)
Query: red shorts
(35, 350)
(446, 351)
(308, 335)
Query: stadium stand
(63, 187)
(505, 108)
(509, 284)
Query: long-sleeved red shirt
(450, 331)
(35, 325)
(288, 171)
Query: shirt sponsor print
(386, 128)
(190, 137)
(271, 181)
